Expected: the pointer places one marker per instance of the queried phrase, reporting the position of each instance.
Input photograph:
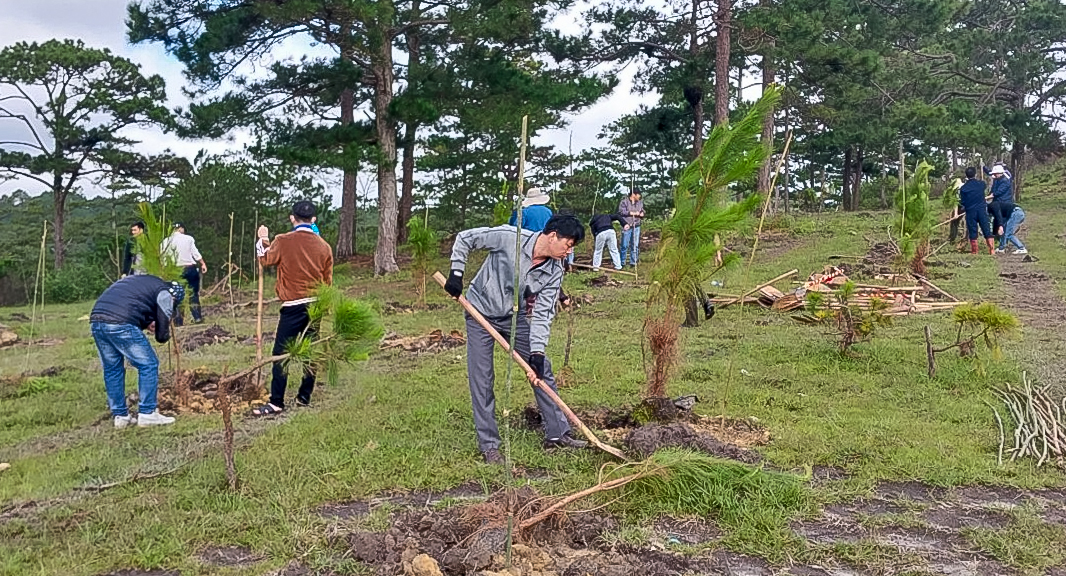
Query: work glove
(536, 362)
(454, 285)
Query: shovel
(536, 382)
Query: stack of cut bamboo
(901, 300)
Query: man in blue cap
(119, 317)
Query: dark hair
(971, 172)
(566, 226)
(634, 191)
(303, 210)
(138, 224)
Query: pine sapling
(916, 217)
(851, 323)
(423, 243)
(687, 249)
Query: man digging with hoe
(492, 293)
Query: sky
(101, 24)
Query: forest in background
(425, 100)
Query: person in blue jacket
(972, 202)
(535, 212)
(1002, 188)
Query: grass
(1027, 543)
(402, 422)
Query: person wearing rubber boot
(118, 320)
(972, 202)
(492, 293)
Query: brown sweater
(304, 261)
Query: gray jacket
(626, 206)
(492, 291)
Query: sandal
(267, 410)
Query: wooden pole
(258, 311)
(536, 381)
(759, 287)
(766, 205)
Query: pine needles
(423, 243)
(731, 154)
(916, 218)
(342, 331)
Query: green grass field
(402, 422)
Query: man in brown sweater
(304, 261)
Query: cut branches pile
(1039, 431)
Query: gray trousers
(481, 372)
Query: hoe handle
(536, 381)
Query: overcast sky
(101, 24)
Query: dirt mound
(601, 281)
(718, 436)
(203, 393)
(435, 341)
(214, 334)
(648, 439)
(472, 540)
(392, 308)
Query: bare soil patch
(435, 341)
(730, 438)
(231, 556)
(213, 334)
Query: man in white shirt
(182, 248)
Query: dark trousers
(191, 274)
(977, 216)
(291, 324)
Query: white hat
(535, 196)
(998, 169)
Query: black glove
(454, 285)
(564, 299)
(536, 362)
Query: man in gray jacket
(492, 293)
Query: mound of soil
(203, 393)
(472, 540)
(214, 334)
(604, 280)
(392, 308)
(647, 440)
(723, 437)
(435, 341)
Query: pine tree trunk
(60, 196)
(856, 186)
(845, 191)
(723, 19)
(385, 251)
(1017, 168)
(346, 230)
(407, 169)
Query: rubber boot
(973, 246)
(991, 246)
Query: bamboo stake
(258, 311)
(38, 281)
(769, 195)
(536, 382)
(229, 272)
(759, 287)
(923, 280)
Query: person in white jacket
(182, 248)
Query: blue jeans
(117, 342)
(631, 239)
(1012, 225)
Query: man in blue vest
(118, 320)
